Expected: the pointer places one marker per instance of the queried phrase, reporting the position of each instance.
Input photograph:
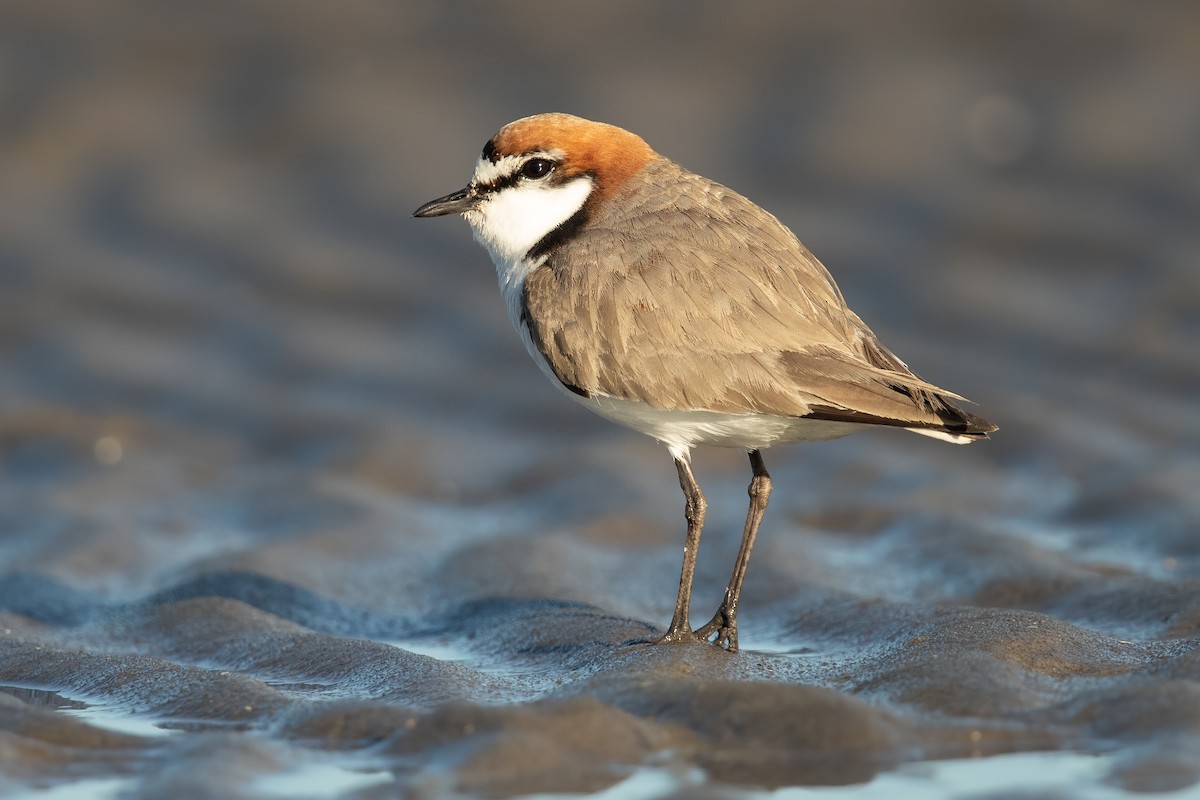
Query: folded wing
(735, 316)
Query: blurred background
(206, 213)
(205, 205)
(225, 344)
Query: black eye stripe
(515, 176)
(503, 182)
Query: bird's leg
(681, 628)
(724, 622)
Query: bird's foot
(723, 626)
(679, 634)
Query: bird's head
(541, 178)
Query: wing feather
(728, 313)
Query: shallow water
(286, 511)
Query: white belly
(680, 430)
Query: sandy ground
(286, 511)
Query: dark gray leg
(724, 622)
(681, 628)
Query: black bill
(456, 203)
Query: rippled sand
(286, 511)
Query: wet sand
(286, 511)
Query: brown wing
(729, 312)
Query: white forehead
(486, 172)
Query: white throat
(512, 220)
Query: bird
(668, 303)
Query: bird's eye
(536, 168)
